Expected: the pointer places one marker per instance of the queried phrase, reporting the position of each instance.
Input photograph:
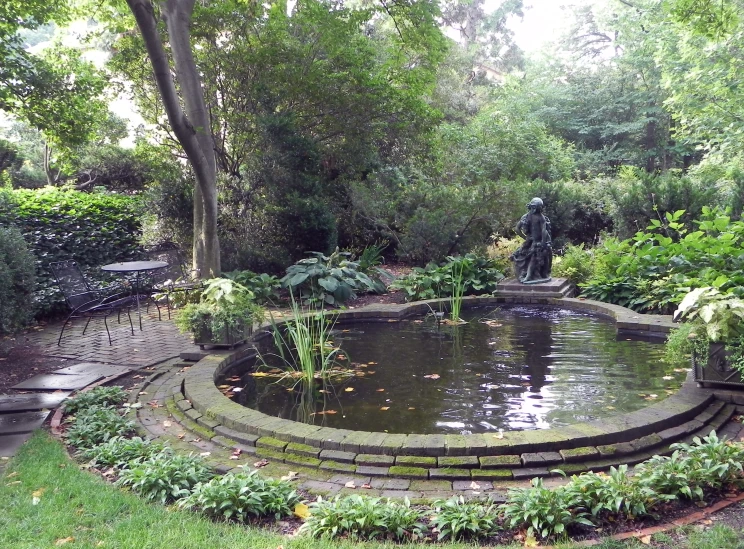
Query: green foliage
(721, 314)
(224, 306)
(95, 425)
(477, 275)
(237, 496)
(545, 511)
(328, 280)
(457, 519)
(98, 396)
(655, 269)
(615, 494)
(264, 287)
(165, 477)
(119, 452)
(16, 281)
(710, 463)
(575, 263)
(684, 343)
(500, 251)
(361, 517)
(92, 229)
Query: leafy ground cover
(47, 501)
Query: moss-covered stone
(416, 461)
(458, 462)
(377, 460)
(302, 449)
(271, 443)
(449, 473)
(500, 462)
(430, 485)
(579, 454)
(571, 468)
(491, 474)
(298, 459)
(270, 454)
(408, 472)
(330, 465)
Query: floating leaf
(349, 389)
(432, 376)
(385, 408)
(380, 390)
(411, 407)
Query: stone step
(31, 402)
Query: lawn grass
(77, 504)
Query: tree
(190, 123)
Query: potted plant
(224, 315)
(713, 336)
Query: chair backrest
(73, 284)
(171, 254)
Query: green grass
(77, 504)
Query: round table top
(133, 266)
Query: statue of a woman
(534, 258)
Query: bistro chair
(173, 278)
(86, 301)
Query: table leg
(136, 293)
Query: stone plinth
(556, 287)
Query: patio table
(135, 267)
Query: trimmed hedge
(16, 281)
(57, 225)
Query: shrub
(237, 496)
(16, 281)
(456, 519)
(545, 511)
(165, 477)
(98, 396)
(575, 263)
(500, 252)
(478, 274)
(331, 280)
(95, 425)
(119, 451)
(362, 517)
(57, 225)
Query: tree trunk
(191, 127)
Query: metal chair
(86, 301)
(175, 277)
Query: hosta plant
(120, 451)
(165, 477)
(361, 517)
(95, 425)
(98, 396)
(237, 496)
(456, 519)
(329, 280)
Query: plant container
(717, 370)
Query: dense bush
(265, 287)
(652, 271)
(457, 519)
(237, 496)
(478, 274)
(119, 451)
(16, 281)
(57, 225)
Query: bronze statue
(534, 258)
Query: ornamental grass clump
(360, 517)
(238, 496)
(165, 477)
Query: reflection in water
(509, 368)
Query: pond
(510, 368)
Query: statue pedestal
(556, 287)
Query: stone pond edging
(626, 438)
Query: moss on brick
(408, 472)
(302, 449)
(460, 462)
(491, 474)
(374, 460)
(571, 468)
(500, 462)
(449, 473)
(272, 443)
(270, 454)
(579, 454)
(416, 461)
(297, 459)
(330, 465)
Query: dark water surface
(508, 368)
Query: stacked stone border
(597, 445)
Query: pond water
(509, 368)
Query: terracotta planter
(717, 370)
(230, 337)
